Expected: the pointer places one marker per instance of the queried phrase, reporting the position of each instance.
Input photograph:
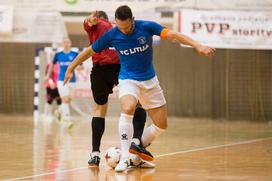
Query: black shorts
(52, 94)
(103, 78)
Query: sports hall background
(220, 108)
(234, 84)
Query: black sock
(98, 127)
(58, 101)
(139, 120)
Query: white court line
(158, 156)
(214, 147)
(45, 174)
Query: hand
(205, 50)
(68, 76)
(46, 78)
(51, 84)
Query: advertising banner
(6, 17)
(227, 29)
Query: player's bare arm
(183, 39)
(83, 56)
(49, 72)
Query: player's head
(102, 14)
(124, 19)
(67, 43)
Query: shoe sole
(144, 164)
(93, 165)
(142, 155)
(120, 170)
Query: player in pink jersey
(52, 92)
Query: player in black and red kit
(104, 76)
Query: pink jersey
(54, 76)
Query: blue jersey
(134, 50)
(64, 60)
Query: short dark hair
(102, 14)
(123, 13)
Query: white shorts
(66, 90)
(148, 93)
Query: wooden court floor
(190, 150)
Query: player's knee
(101, 100)
(100, 110)
(128, 109)
(66, 100)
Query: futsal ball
(112, 156)
(135, 160)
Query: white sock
(125, 133)
(66, 111)
(60, 109)
(47, 109)
(95, 153)
(136, 141)
(150, 134)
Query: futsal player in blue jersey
(64, 58)
(137, 79)
(104, 76)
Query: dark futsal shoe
(141, 151)
(94, 161)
